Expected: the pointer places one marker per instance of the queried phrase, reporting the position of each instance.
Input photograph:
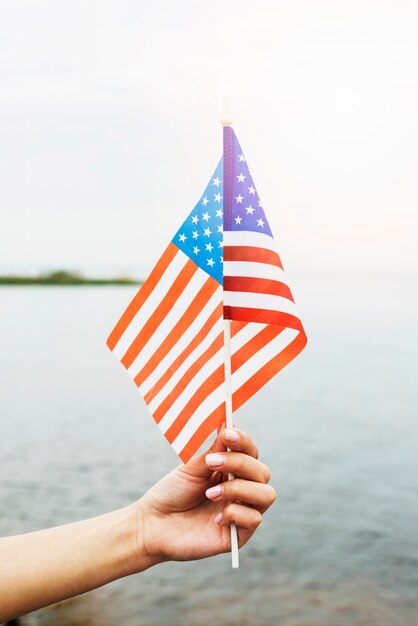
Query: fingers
(239, 441)
(255, 494)
(240, 465)
(240, 515)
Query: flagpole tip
(226, 120)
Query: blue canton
(247, 212)
(201, 234)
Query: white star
(220, 228)
(195, 219)
(219, 213)
(195, 234)
(211, 262)
(216, 182)
(221, 244)
(205, 216)
(260, 222)
(209, 247)
(251, 190)
(182, 238)
(238, 220)
(196, 249)
(250, 210)
(239, 198)
(205, 201)
(241, 158)
(207, 232)
(259, 203)
(217, 197)
(241, 178)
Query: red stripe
(166, 304)
(198, 303)
(212, 382)
(179, 388)
(262, 316)
(252, 253)
(254, 345)
(213, 421)
(257, 285)
(214, 317)
(270, 369)
(142, 295)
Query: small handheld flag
(218, 289)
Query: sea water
(338, 427)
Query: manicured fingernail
(231, 435)
(215, 459)
(214, 492)
(218, 518)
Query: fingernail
(218, 518)
(215, 459)
(231, 435)
(214, 492)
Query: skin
(185, 516)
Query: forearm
(44, 567)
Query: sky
(109, 127)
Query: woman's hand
(187, 514)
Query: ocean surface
(338, 427)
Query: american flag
(220, 264)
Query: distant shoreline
(63, 278)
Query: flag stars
(250, 210)
(195, 219)
(196, 250)
(260, 222)
(205, 201)
(216, 182)
(195, 234)
(209, 247)
(239, 198)
(238, 219)
(259, 204)
(241, 178)
(207, 232)
(241, 158)
(220, 244)
(217, 197)
(251, 190)
(205, 216)
(182, 237)
(219, 212)
(210, 262)
(220, 228)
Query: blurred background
(109, 130)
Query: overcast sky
(109, 127)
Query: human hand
(187, 515)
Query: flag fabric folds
(220, 264)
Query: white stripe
(201, 376)
(193, 356)
(183, 341)
(209, 404)
(263, 356)
(150, 304)
(255, 270)
(167, 323)
(260, 301)
(248, 238)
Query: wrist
(141, 558)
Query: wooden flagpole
(226, 120)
